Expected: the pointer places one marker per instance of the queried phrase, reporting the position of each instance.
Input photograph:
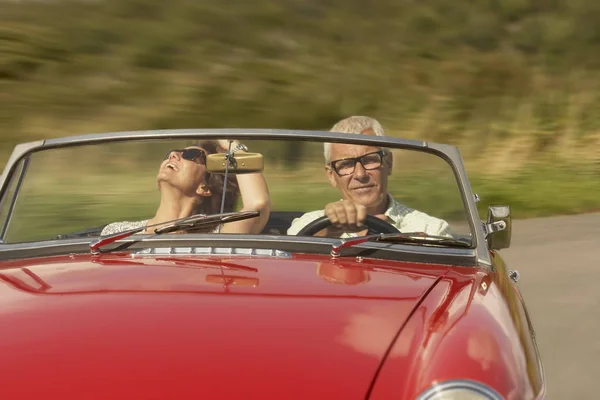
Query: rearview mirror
(498, 227)
(240, 163)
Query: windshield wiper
(182, 224)
(409, 237)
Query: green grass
(541, 191)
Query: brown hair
(212, 205)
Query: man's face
(367, 187)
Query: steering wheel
(375, 225)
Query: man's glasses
(196, 155)
(346, 166)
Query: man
(360, 173)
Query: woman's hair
(212, 205)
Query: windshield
(101, 189)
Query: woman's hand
(224, 144)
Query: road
(559, 262)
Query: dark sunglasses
(196, 155)
(346, 166)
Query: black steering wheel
(375, 225)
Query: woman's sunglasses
(196, 155)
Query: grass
(540, 191)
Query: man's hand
(346, 215)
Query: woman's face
(184, 169)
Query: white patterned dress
(122, 226)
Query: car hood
(117, 326)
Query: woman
(186, 188)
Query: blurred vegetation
(514, 83)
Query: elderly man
(360, 173)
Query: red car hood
(114, 326)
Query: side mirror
(239, 163)
(498, 228)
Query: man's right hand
(346, 216)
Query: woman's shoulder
(122, 226)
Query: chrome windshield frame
(450, 154)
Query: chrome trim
(464, 257)
(212, 251)
(453, 156)
(514, 275)
(13, 201)
(256, 134)
(477, 387)
(19, 152)
(492, 227)
(337, 248)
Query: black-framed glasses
(196, 155)
(346, 166)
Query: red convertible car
(101, 301)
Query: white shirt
(404, 218)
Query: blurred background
(514, 83)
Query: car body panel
(470, 326)
(219, 326)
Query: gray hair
(354, 124)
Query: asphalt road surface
(559, 262)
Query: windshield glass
(89, 190)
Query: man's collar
(390, 206)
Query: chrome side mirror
(498, 228)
